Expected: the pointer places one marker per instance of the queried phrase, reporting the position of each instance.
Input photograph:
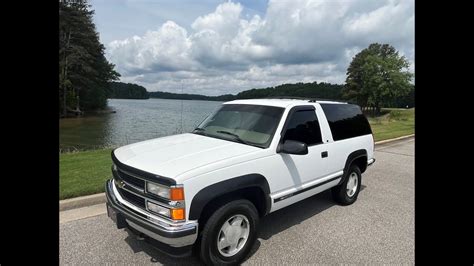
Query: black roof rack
(309, 99)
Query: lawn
(395, 123)
(85, 173)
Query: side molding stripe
(305, 189)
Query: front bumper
(174, 239)
(370, 162)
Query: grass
(395, 123)
(84, 173)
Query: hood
(174, 155)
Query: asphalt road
(377, 228)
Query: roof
(279, 102)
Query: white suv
(208, 189)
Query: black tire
(340, 194)
(209, 252)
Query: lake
(134, 121)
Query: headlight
(174, 193)
(158, 190)
(158, 209)
(175, 213)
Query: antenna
(181, 107)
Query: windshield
(248, 124)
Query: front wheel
(229, 234)
(347, 192)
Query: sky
(218, 47)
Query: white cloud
(393, 22)
(227, 51)
(223, 21)
(163, 50)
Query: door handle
(324, 154)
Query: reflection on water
(134, 120)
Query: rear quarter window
(346, 120)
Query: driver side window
(303, 126)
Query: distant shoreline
(92, 113)
(171, 99)
(209, 100)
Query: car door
(302, 125)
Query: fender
(354, 155)
(205, 195)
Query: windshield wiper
(236, 137)
(200, 131)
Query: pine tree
(84, 72)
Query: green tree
(84, 72)
(377, 76)
(120, 90)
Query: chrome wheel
(233, 235)
(352, 184)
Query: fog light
(158, 209)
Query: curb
(90, 200)
(394, 139)
(80, 202)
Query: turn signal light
(177, 193)
(177, 214)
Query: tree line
(321, 90)
(84, 72)
(186, 96)
(304, 90)
(120, 90)
(310, 90)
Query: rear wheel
(347, 192)
(229, 234)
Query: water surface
(134, 120)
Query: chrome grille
(132, 180)
(132, 198)
(132, 188)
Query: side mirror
(293, 147)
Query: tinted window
(303, 126)
(346, 120)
